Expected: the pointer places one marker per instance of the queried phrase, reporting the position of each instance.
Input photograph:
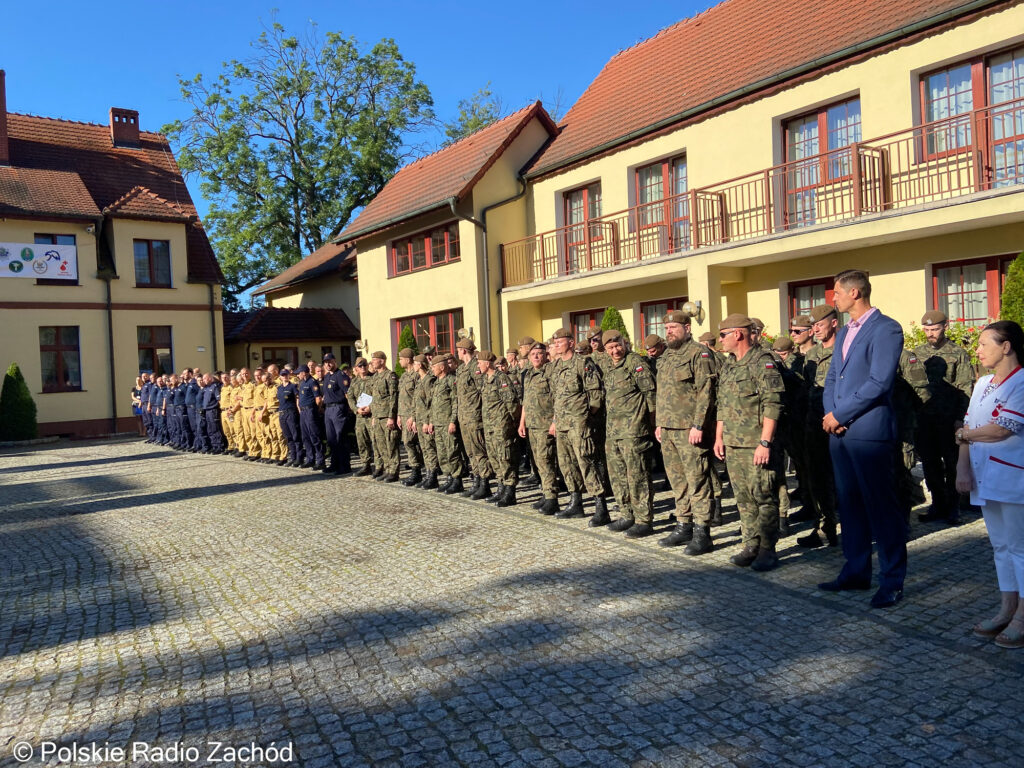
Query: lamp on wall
(464, 333)
(694, 310)
(309, 355)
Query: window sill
(63, 392)
(158, 287)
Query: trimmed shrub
(1012, 307)
(612, 321)
(406, 339)
(17, 409)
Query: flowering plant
(958, 331)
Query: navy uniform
(309, 407)
(201, 443)
(160, 399)
(191, 427)
(147, 417)
(178, 426)
(335, 415)
(210, 403)
(288, 413)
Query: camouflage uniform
(384, 390)
(364, 437)
(906, 402)
(686, 399)
(422, 398)
(500, 411)
(539, 407)
(630, 398)
(467, 379)
(444, 408)
(576, 386)
(407, 385)
(750, 391)
(821, 484)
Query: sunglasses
(799, 330)
(361, 365)
(723, 334)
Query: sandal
(1011, 638)
(989, 628)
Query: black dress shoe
(886, 597)
(844, 586)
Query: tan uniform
(227, 393)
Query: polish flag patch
(770, 365)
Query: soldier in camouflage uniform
(821, 487)
(600, 420)
(910, 380)
(364, 437)
(790, 428)
(576, 387)
(686, 430)
(384, 410)
(407, 417)
(630, 399)
(716, 468)
(538, 413)
(471, 427)
(749, 407)
(655, 346)
(421, 402)
(500, 408)
(944, 403)
(444, 423)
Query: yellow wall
(324, 292)
(241, 355)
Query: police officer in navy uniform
(175, 427)
(309, 408)
(160, 400)
(191, 431)
(209, 413)
(201, 442)
(336, 411)
(288, 413)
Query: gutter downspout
(106, 277)
(213, 329)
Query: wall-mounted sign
(52, 262)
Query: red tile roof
(431, 181)
(279, 324)
(332, 258)
(25, 191)
(140, 203)
(736, 44)
(109, 173)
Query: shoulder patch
(705, 353)
(913, 359)
(769, 365)
(639, 369)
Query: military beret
(562, 333)
(802, 321)
(408, 353)
(757, 323)
(526, 341)
(677, 316)
(360, 361)
(735, 320)
(328, 356)
(466, 344)
(421, 359)
(652, 341)
(934, 317)
(441, 359)
(822, 311)
(610, 335)
(379, 355)
(707, 336)
(783, 344)
(539, 345)
(594, 333)
(429, 350)
(486, 355)
(512, 351)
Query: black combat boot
(639, 530)
(415, 477)
(378, 472)
(681, 534)
(701, 543)
(574, 508)
(482, 490)
(499, 491)
(455, 487)
(783, 526)
(430, 481)
(766, 560)
(745, 556)
(445, 483)
(367, 469)
(468, 493)
(716, 513)
(624, 523)
(538, 503)
(549, 507)
(508, 499)
(390, 477)
(600, 513)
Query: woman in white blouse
(991, 468)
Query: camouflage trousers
(475, 445)
(545, 455)
(716, 467)
(577, 460)
(821, 482)
(689, 473)
(428, 448)
(385, 445)
(755, 488)
(906, 486)
(449, 451)
(364, 440)
(411, 441)
(936, 445)
(501, 452)
(629, 468)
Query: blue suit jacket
(858, 389)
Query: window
(996, 81)
(48, 239)
(582, 323)
(813, 143)
(652, 315)
(969, 291)
(59, 358)
(155, 351)
(806, 294)
(280, 355)
(152, 264)
(662, 201)
(426, 249)
(439, 330)
(581, 207)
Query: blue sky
(75, 60)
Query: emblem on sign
(15, 266)
(39, 267)
(27, 254)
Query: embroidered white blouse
(998, 467)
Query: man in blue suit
(862, 427)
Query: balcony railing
(928, 164)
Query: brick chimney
(124, 127)
(5, 151)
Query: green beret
(652, 341)
(934, 317)
(562, 333)
(783, 344)
(757, 323)
(735, 320)
(822, 311)
(466, 344)
(421, 359)
(379, 355)
(486, 355)
(407, 353)
(526, 341)
(677, 316)
(611, 335)
(707, 336)
(802, 321)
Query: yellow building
(122, 277)
(739, 159)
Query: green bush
(612, 321)
(17, 409)
(1012, 303)
(406, 339)
(959, 333)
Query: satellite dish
(694, 310)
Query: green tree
(478, 111)
(406, 339)
(612, 320)
(17, 409)
(291, 141)
(1012, 300)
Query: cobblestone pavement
(150, 597)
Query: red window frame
(59, 348)
(672, 208)
(439, 329)
(152, 348)
(47, 238)
(996, 268)
(579, 235)
(829, 284)
(152, 263)
(593, 320)
(645, 317)
(430, 248)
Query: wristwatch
(765, 443)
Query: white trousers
(1005, 524)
